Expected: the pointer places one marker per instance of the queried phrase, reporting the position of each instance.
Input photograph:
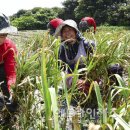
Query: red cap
(56, 22)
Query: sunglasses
(3, 35)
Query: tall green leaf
(47, 98)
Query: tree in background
(69, 9)
(37, 18)
(59, 12)
(25, 22)
(85, 8)
(18, 14)
(110, 12)
(120, 15)
(104, 11)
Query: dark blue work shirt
(72, 50)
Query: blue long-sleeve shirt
(72, 50)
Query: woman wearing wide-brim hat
(8, 52)
(74, 48)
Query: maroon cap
(56, 22)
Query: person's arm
(94, 25)
(89, 46)
(10, 67)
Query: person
(8, 52)
(86, 23)
(73, 48)
(115, 69)
(53, 24)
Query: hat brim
(9, 30)
(59, 28)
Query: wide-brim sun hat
(68, 22)
(5, 26)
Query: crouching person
(7, 62)
(86, 23)
(114, 69)
(74, 48)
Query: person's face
(2, 38)
(68, 33)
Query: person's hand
(80, 82)
(70, 41)
(83, 86)
(94, 31)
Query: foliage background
(108, 12)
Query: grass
(37, 70)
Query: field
(44, 101)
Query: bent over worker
(53, 24)
(86, 23)
(8, 52)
